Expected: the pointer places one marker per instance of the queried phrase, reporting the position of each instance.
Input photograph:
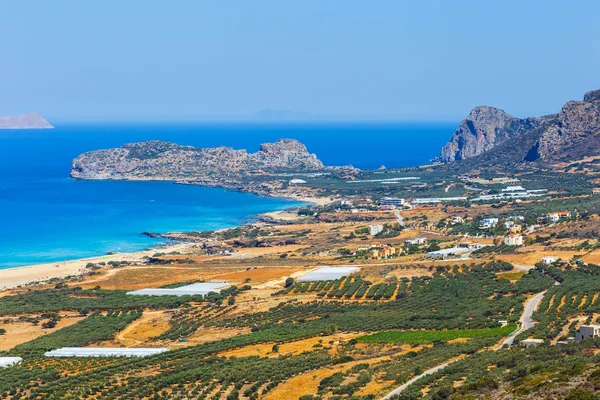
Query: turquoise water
(47, 217)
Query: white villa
(513, 240)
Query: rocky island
(264, 172)
(24, 121)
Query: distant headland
(24, 121)
(267, 172)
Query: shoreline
(13, 277)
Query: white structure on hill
(375, 229)
(419, 240)
(513, 240)
(105, 352)
(549, 259)
(297, 181)
(487, 223)
(587, 331)
(457, 220)
(391, 201)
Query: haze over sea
(47, 217)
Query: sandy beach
(13, 277)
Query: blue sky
(147, 59)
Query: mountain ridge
(487, 133)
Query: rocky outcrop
(24, 121)
(570, 135)
(574, 132)
(485, 128)
(219, 166)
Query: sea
(47, 217)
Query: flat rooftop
(328, 274)
(202, 288)
(105, 352)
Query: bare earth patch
(21, 332)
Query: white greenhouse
(328, 273)
(8, 361)
(202, 288)
(105, 352)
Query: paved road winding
(526, 322)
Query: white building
(513, 240)
(391, 201)
(297, 181)
(487, 223)
(556, 216)
(470, 245)
(375, 229)
(549, 259)
(587, 331)
(457, 220)
(419, 240)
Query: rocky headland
(24, 121)
(264, 172)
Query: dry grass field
(21, 332)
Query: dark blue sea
(47, 217)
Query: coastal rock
(24, 121)
(219, 166)
(485, 128)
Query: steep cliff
(570, 135)
(485, 128)
(24, 121)
(169, 161)
(574, 132)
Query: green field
(432, 336)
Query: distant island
(24, 121)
